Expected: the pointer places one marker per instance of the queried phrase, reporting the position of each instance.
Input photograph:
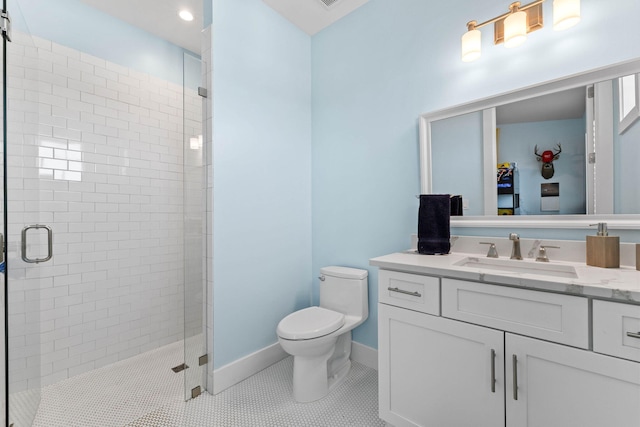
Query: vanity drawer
(412, 291)
(553, 317)
(616, 329)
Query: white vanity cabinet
(559, 386)
(504, 357)
(438, 372)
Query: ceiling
(569, 104)
(158, 17)
(312, 16)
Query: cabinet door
(560, 386)
(438, 372)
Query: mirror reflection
(457, 154)
(566, 152)
(545, 138)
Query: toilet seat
(308, 323)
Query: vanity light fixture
(512, 27)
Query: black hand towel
(456, 205)
(433, 224)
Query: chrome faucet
(515, 252)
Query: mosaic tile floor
(115, 395)
(144, 392)
(264, 400)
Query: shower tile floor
(114, 395)
(143, 392)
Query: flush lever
(25, 258)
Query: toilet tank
(345, 290)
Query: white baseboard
(241, 369)
(366, 355)
(231, 374)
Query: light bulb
(471, 42)
(515, 29)
(566, 14)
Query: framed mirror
(629, 90)
(561, 143)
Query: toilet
(319, 338)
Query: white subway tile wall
(103, 167)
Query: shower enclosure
(104, 224)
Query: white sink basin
(519, 266)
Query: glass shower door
(112, 199)
(194, 228)
(28, 240)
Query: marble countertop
(621, 284)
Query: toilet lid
(310, 323)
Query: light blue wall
(355, 90)
(207, 10)
(517, 143)
(459, 141)
(261, 175)
(74, 24)
(376, 70)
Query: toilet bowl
(319, 338)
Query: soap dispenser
(603, 250)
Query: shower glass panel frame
(194, 227)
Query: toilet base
(310, 378)
(336, 379)
(311, 387)
(314, 377)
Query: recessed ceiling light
(186, 15)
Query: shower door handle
(25, 258)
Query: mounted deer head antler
(547, 157)
(535, 151)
